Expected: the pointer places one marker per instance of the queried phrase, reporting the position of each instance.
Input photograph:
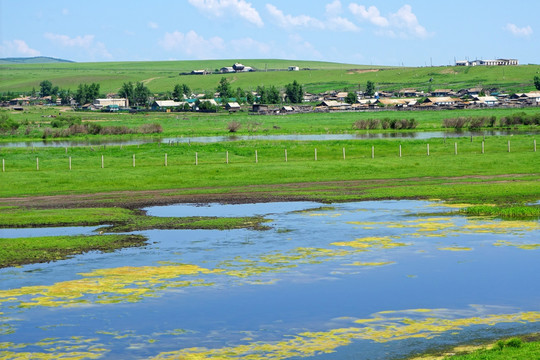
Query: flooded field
(365, 280)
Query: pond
(363, 280)
(317, 137)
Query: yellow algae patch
(501, 227)
(520, 246)
(384, 242)
(427, 224)
(455, 206)
(275, 262)
(107, 286)
(379, 328)
(74, 348)
(455, 248)
(382, 263)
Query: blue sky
(390, 32)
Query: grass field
(200, 124)
(162, 76)
(414, 175)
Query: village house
(294, 68)
(441, 92)
(160, 105)
(121, 102)
(442, 101)
(408, 93)
(486, 100)
(232, 106)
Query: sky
(389, 32)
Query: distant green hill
(315, 76)
(33, 60)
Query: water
(365, 280)
(213, 139)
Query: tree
(294, 92)
(45, 88)
(250, 98)
(351, 98)
(224, 88)
(186, 90)
(370, 88)
(127, 92)
(537, 82)
(177, 92)
(141, 94)
(65, 96)
(81, 95)
(240, 95)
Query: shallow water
(420, 135)
(366, 280)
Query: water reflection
(213, 139)
(354, 280)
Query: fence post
(256, 157)
(483, 146)
(196, 158)
(102, 162)
(534, 145)
(508, 145)
(227, 157)
(133, 160)
(37, 163)
(315, 154)
(285, 155)
(372, 152)
(3, 165)
(165, 159)
(343, 153)
(66, 149)
(455, 148)
(399, 150)
(70, 163)
(427, 149)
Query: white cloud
(333, 21)
(152, 25)
(17, 48)
(371, 14)
(192, 44)
(86, 43)
(289, 21)
(406, 21)
(333, 9)
(402, 23)
(248, 46)
(301, 49)
(220, 8)
(517, 31)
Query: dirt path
(310, 191)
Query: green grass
(20, 251)
(196, 124)
(509, 349)
(116, 219)
(509, 212)
(161, 76)
(467, 175)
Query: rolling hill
(33, 60)
(161, 76)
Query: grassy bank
(524, 347)
(34, 120)
(20, 251)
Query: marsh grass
(20, 251)
(509, 212)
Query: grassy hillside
(163, 75)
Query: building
(232, 106)
(198, 72)
(165, 104)
(294, 68)
(442, 101)
(226, 69)
(496, 62)
(121, 102)
(441, 92)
